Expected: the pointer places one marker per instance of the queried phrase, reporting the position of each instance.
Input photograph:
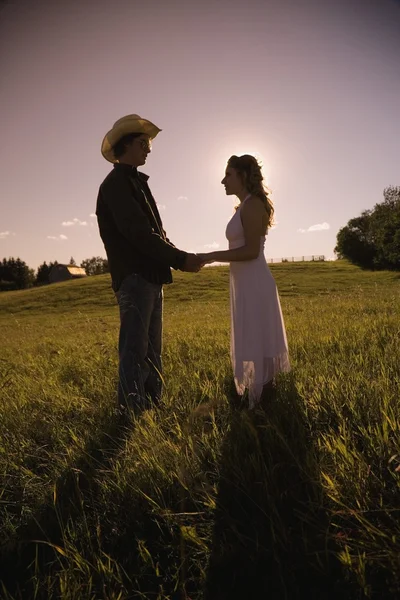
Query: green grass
(199, 498)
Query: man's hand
(192, 263)
(206, 258)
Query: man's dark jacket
(131, 229)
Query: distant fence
(312, 258)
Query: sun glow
(261, 157)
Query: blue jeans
(140, 340)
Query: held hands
(206, 258)
(192, 263)
(195, 262)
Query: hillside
(201, 498)
(94, 294)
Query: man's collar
(131, 171)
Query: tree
(373, 239)
(42, 275)
(72, 261)
(16, 274)
(95, 265)
(43, 272)
(386, 227)
(354, 241)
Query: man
(139, 257)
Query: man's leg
(136, 299)
(153, 384)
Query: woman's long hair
(250, 171)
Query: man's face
(138, 150)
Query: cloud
(74, 222)
(93, 215)
(57, 237)
(182, 197)
(5, 234)
(161, 207)
(318, 227)
(213, 246)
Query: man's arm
(134, 225)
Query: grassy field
(200, 498)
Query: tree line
(372, 240)
(15, 274)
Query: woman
(259, 348)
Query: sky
(310, 87)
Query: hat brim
(130, 126)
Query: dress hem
(280, 364)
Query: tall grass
(200, 497)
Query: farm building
(65, 272)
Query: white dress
(259, 349)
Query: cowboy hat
(125, 125)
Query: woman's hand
(206, 258)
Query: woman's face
(232, 182)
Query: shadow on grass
(34, 550)
(270, 534)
